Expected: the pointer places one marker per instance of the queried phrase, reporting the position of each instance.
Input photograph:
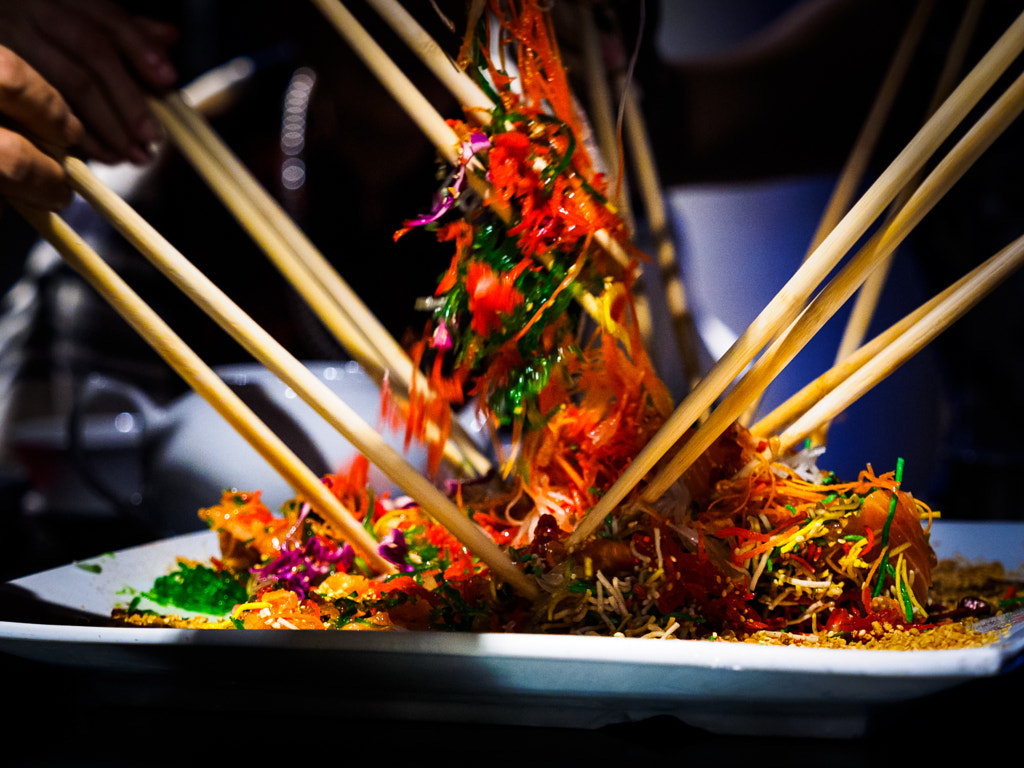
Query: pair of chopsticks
(836, 389)
(151, 327)
(857, 365)
(200, 377)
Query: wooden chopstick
(887, 350)
(601, 92)
(175, 112)
(637, 140)
(784, 307)
(938, 316)
(338, 307)
(203, 380)
(313, 391)
(269, 238)
(416, 105)
(470, 97)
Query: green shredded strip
(198, 588)
(886, 568)
(908, 605)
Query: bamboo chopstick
(422, 112)
(202, 379)
(649, 183)
(379, 339)
(269, 238)
(338, 307)
(884, 353)
(269, 352)
(470, 97)
(878, 249)
(929, 324)
(783, 308)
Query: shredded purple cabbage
(394, 548)
(454, 185)
(299, 568)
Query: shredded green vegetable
(198, 588)
(886, 569)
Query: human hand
(103, 61)
(32, 105)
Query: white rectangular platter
(494, 678)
